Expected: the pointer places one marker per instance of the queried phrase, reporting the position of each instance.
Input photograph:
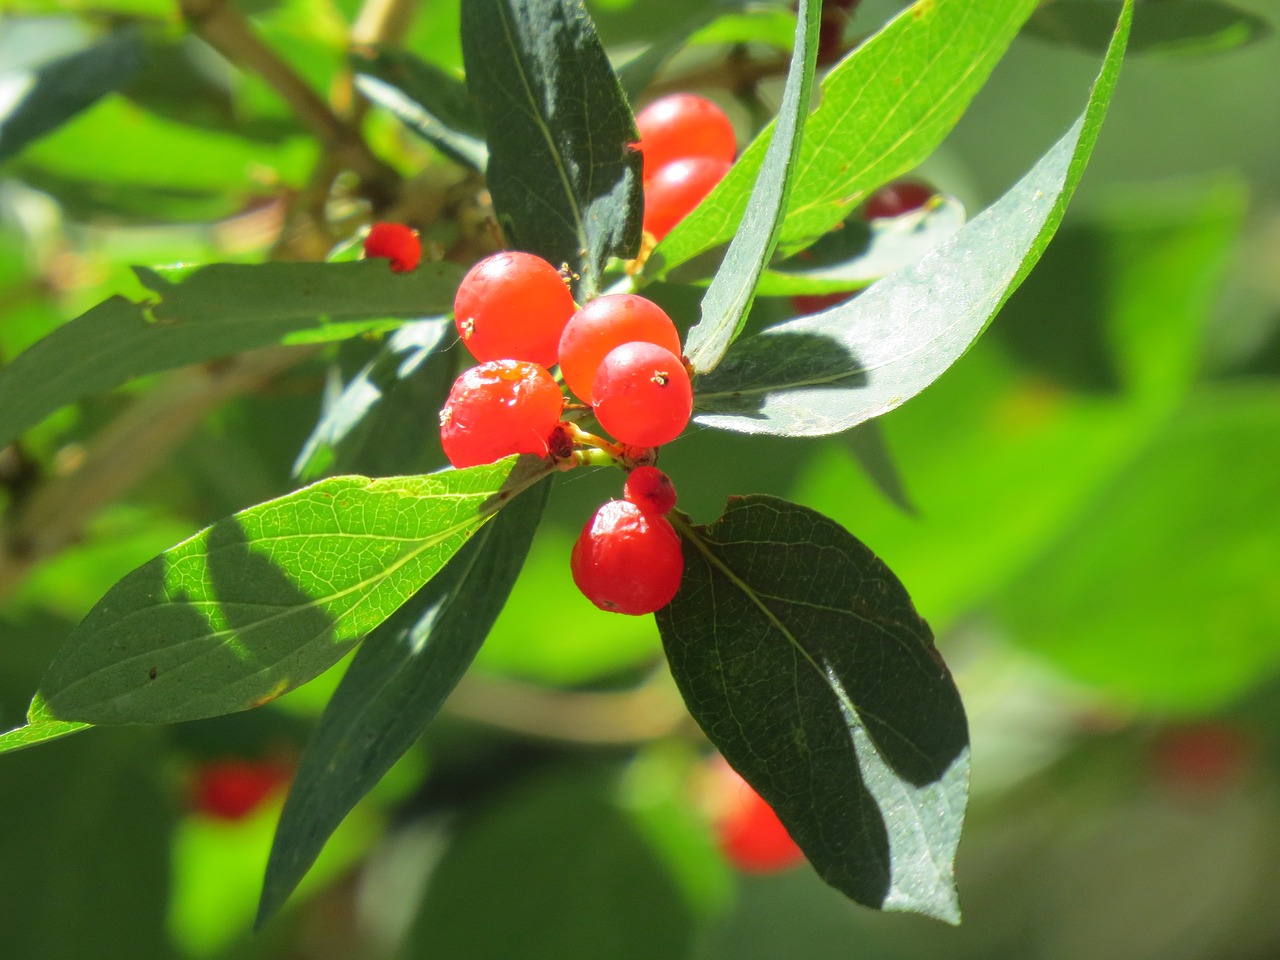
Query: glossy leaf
(267, 599)
(428, 100)
(394, 687)
(1174, 26)
(203, 313)
(38, 731)
(564, 182)
(375, 425)
(883, 110)
(831, 371)
(803, 660)
(569, 873)
(728, 299)
(34, 103)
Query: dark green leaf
(61, 89)
(267, 599)
(1163, 590)
(565, 184)
(728, 299)
(207, 312)
(376, 425)
(430, 101)
(883, 110)
(831, 371)
(1172, 26)
(570, 875)
(803, 660)
(394, 688)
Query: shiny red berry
(676, 189)
(497, 409)
(232, 789)
(681, 126)
(396, 243)
(651, 490)
(897, 198)
(607, 322)
(513, 306)
(642, 394)
(627, 560)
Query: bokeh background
(1086, 508)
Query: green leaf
(728, 299)
(803, 660)
(38, 731)
(564, 182)
(831, 371)
(265, 600)
(394, 688)
(637, 73)
(884, 109)
(375, 425)
(569, 874)
(207, 312)
(1162, 591)
(1174, 26)
(428, 100)
(41, 100)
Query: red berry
(807, 303)
(232, 789)
(627, 560)
(607, 322)
(513, 306)
(651, 490)
(642, 394)
(497, 409)
(681, 126)
(676, 189)
(395, 242)
(751, 836)
(1203, 755)
(897, 198)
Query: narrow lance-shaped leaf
(394, 687)
(267, 599)
(35, 103)
(884, 109)
(38, 731)
(803, 660)
(828, 372)
(208, 312)
(725, 306)
(565, 183)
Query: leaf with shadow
(805, 663)
(394, 687)
(269, 598)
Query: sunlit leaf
(803, 660)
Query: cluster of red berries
(688, 145)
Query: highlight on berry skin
(394, 242)
(676, 189)
(627, 560)
(497, 409)
(642, 393)
(651, 490)
(680, 126)
(513, 306)
(607, 322)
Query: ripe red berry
(676, 189)
(627, 560)
(642, 394)
(497, 409)
(232, 789)
(807, 303)
(395, 242)
(897, 198)
(651, 490)
(607, 322)
(681, 126)
(513, 306)
(750, 834)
